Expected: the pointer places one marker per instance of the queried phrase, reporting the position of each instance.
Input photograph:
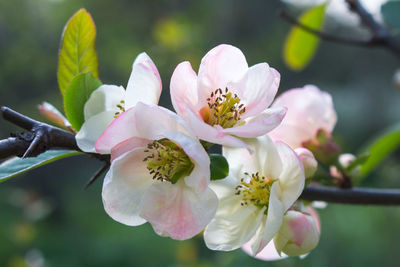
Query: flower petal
(92, 129)
(212, 134)
(258, 125)
(233, 224)
(221, 65)
(144, 83)
(175, 210)
(269, 253)
(291, 179)
(183, 88)
(124, 186)
(309, 109)
(273, 221)
(127, 146)
(104, 98)
(120, 129)
(257, 88)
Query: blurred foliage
(391, 13)
(46, 217)
(301, 45)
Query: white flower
(108, 101)
(260, 188)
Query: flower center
(254, 190)
(167, 161)
(223, 108)
(121, 107)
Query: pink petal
(221, 65)
(121, 129)
(258, 125)
(127, 146)
(124, 186)
(176, 211)
(257, 88)
(144, 83)
(183, 88)
(309, 110)
(212, 134)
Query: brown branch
(380, 36)
(355, 195)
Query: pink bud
(346, 159)
(310, 164)
(298, 234)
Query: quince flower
(108, 101)
(159, 173)
(308, 110)
(227, 99)
(260, 188)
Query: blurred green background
(47, 219)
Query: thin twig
(96, 175)
(355, 195)
(323, 35)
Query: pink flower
(159, 173)
(227, 100)
(308, 110)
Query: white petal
(105, 98)
(92, 129)
(175, 210)
(124, 186)
(144, 83)
(273, 221)
(291, 179)
(257, 88)
(233, 224)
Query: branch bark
(380, 36)
(355, 195)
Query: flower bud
(298, 234)
(310, 164)
(345, 160)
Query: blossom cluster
(160, 168)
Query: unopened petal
(269, 253)
(144, 83)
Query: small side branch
(359, 196)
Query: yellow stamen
(254, 190)
(223, 108)
(167, 161)
(121, 107)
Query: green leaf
(391, 13)
(380, 148)
(358, 161)
(219, 167)
(78, 92)
(300, 45)
(16, 166)
(77, 51)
